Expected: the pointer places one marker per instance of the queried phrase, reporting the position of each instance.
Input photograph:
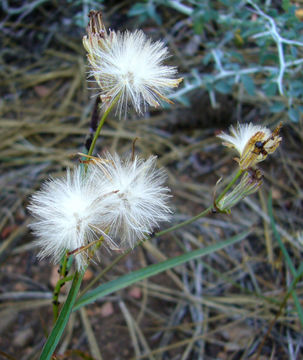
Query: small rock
(42, 91)
(135, 292)
(276, 194)
(23, 337)
(20, 287)
(88, 275)
(107, 309)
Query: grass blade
(62, 320)
(138, 275)
(286, 256)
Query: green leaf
(235, 54)
(62, 320)
(182, 100)
(285, 5)
(135, 276)
(267, 57)
(294, 115)
(277, 107)
(296, 88)
(286, 256)
(223, 87)
(207, 58)
(270, 88)
(138, 9)
(151, 9)
(198, 20)
(248, 84)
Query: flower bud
(249, 183)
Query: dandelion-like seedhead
(67, 215)
(139, 198)
(119, 200)
(63, 210)
(240, 136)
(252, 142)
(129, 66)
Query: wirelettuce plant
(119, 202)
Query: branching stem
(62, 280)
(160, 233)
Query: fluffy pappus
(252, 142)
(66, 215)
(128, 66)
(139, 198)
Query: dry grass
(220, 307)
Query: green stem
(292, 285)
(186, 222)
(101, 123)
(57, 289)
(282, 306)
(286, 255)
(64, 315)
(238, 174)
(64, 265)
(104, 271)
(60, 283)
(160, 233)
(63, 318)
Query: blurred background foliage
(252, 53)
(250, 50)
(241, 61)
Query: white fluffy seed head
(139, 198)
(66, 213)
(119, 200)
(240, 136)
(253, 143)
(129, 66)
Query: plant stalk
(160, 233)
(101, 123)
(63, 318)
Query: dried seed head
(253, 143)
(139, 200)
(122, 201)
(67, 215)
(129, 66)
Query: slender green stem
(238, 174)
(62, 320)
(282, 306)
(293, 285)
(57, 289)
(287, 257)
(160, 233)
(104, 271)
(277, 236)
(64, 265)
(186, 222)
(101, 123)
(60, 283)
(133, 277)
